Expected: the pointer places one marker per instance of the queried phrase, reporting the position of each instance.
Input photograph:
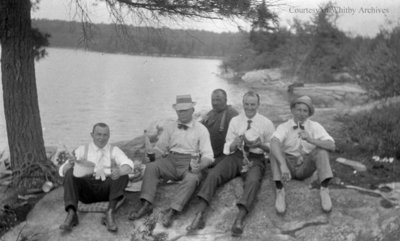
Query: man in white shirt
(246, 143)
(96, 172)
(300, 146)
(187, 147)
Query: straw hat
(183, 102)
(303, 100)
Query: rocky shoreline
(356, 215)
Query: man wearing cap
(96, 172)
(247, 141)
(187, 145)
(300, 146)
(217, 121)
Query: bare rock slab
(355, 216)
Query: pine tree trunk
(21, 108)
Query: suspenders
(113, 162)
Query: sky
(357, 17)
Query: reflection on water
(77, 89)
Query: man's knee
(124, 179)
(213, 175)
(191, 178)
(321, 154)
(68, 176)
(151, 167)
(253, 181)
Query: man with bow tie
(247, 140)
(96, 172)
(187, 147)
(300, 146)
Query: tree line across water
(111, 38)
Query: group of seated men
(224, 145)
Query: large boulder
(378, 104)
(355, 216)
(263, 76)
(332, 94)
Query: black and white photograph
(200, 120)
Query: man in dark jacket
(217, 121)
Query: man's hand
(71, 159)
(194, 166)
(138, 167)
(115, 173)
(237, 142)
(285, 173)
(305, 136)
(66, 167)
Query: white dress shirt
(291, 142)
(195, 139)
(238, 126)
(95, 154)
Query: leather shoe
(168, 218)
(197, 223)
(237, 227)
(280, 204)
(144, 210)
(326, 202)
(109, 221)
(70, 221)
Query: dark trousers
(90, 190)
(229, 168)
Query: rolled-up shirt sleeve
(230, 137)
(268, 132)
(78, 153)
(280, 133)
(205, 145)
(321, 134)
(120, 157)
(162, 144)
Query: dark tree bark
(21, 108)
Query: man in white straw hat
(187, 147)
(246, 143)
(97, 172)
(300, 146)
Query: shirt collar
(96, 148)
(292, 123)
(189, 124)
(252, 119)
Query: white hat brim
(183, 106)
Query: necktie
(249, 124)
(183, 126)
(99, 171)
(245, 147)
(297, 126)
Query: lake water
(77, 89)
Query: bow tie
(183, 126)
(301, 127)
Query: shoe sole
(104, 222)
(69, 228)
(200, 226)
(280, 213)
(236, 232)
(135, 218)
(327, 211)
